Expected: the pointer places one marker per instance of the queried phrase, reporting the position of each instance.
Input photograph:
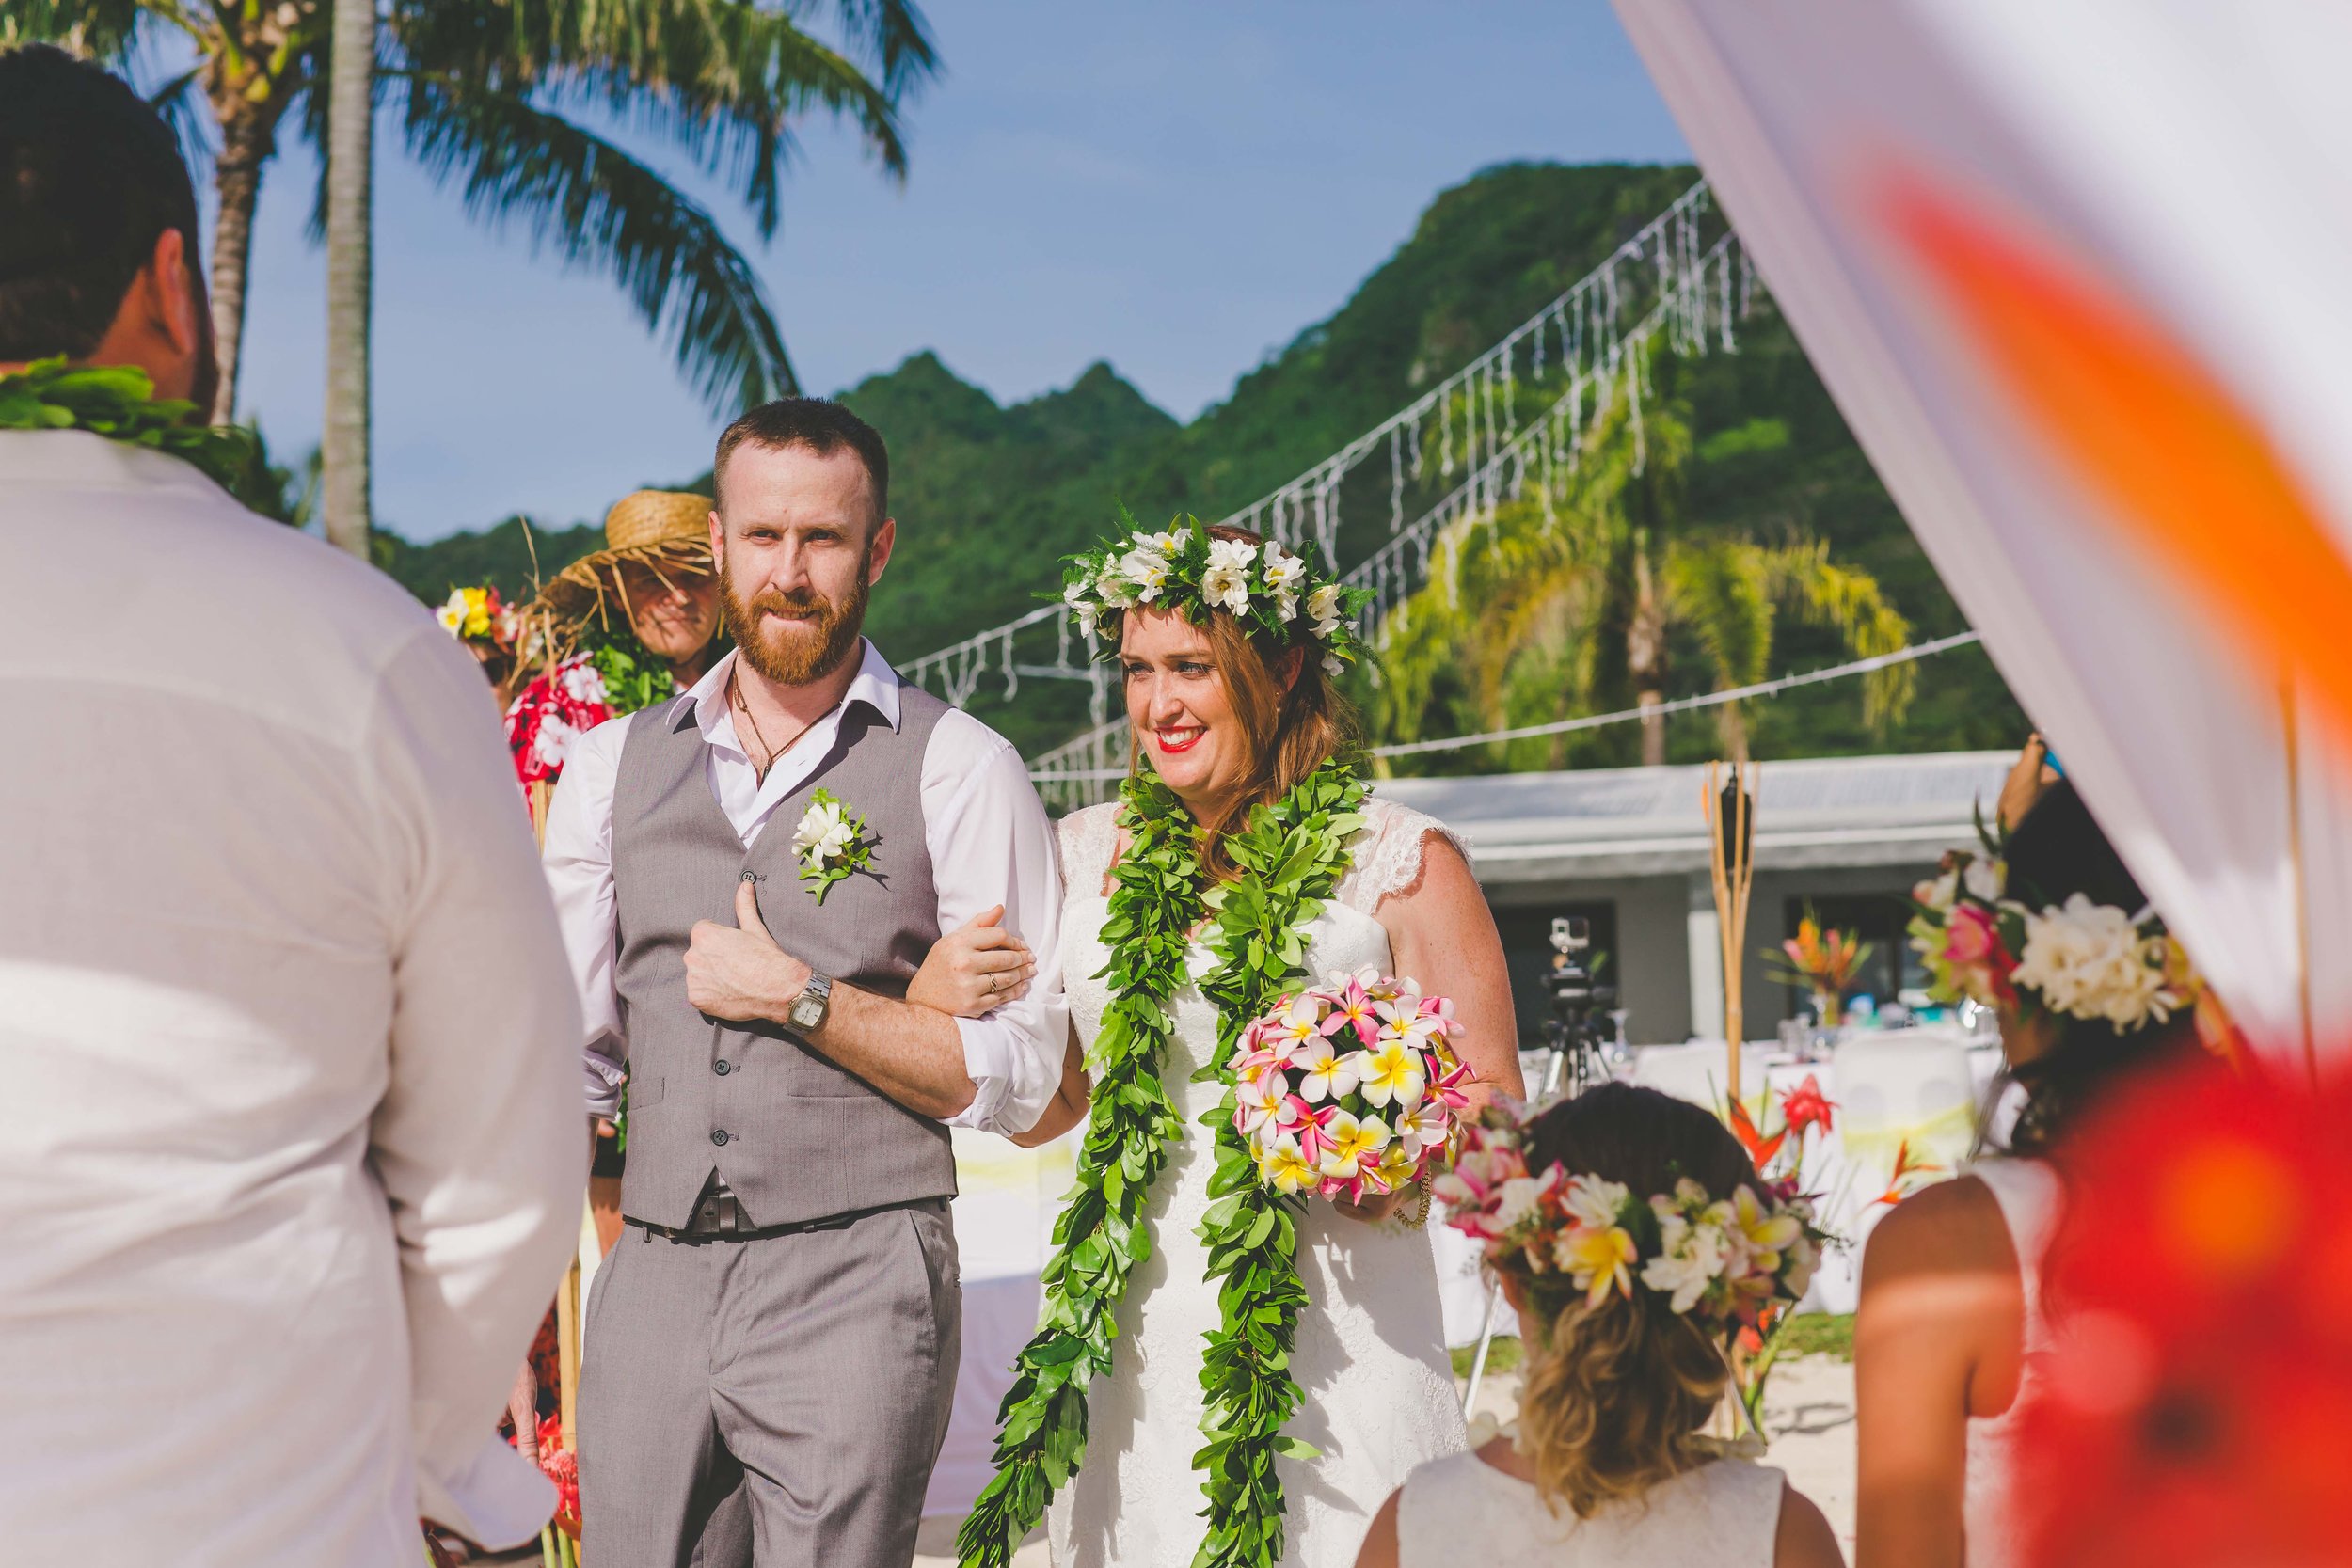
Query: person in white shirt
(750, 877)
(292, 1159)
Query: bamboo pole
(1731, 868)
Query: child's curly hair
(1613, 1396)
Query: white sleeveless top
(1370, 1354)
(1462, 1509)
(2027, 1191)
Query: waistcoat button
(719, 1138)
(721, 1068)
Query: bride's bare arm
(1441, 934)
(1069, 1106)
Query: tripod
(1575, 1044)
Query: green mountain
(988, 497)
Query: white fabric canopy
(2191, 165)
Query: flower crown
(1721, 1262)
(2076, 959)
(1185, 568)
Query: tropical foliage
(501, 101)
(988, 497)
(1583, 596)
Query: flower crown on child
(2076, 959)
(1722, 1262)
(1185, 568)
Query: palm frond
(723, 80)
(101, 30)
(181, 101)
(1719, 590)
(1848, 601)
(595, 205)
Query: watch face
(807, 1012)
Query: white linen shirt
(291, 1161)
(988, 836)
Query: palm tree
(1573, 600)
(343, 446)
(493, 99)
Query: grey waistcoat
(797, 1137)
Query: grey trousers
(778, 1402)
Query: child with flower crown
(1634, 1238)
(2049, 931)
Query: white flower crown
(2079, 959)
(1724, 1261)
(1184, 567)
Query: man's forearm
(910, 1052)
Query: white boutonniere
(831, 843)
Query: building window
(1526, 948)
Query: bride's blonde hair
(1287, 730)
(1613, 1396)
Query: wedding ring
(992, 985)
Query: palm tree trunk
(248, 133)
(351, 113)
(1645, 651)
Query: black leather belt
(719, 1217)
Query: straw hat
(667, 529)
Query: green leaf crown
(1186, 568)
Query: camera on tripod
(1580, 1030)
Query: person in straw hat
(624, 628)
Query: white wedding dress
(1371, 1357)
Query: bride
(1226, 649)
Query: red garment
(554, 710)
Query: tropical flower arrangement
(1726, 1264)
(1186, 568)
(831, 843)
(1822, 961)
(2076, 959)
(554, 710)
(1350, 1088)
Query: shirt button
(722, 1069)
(719, 1138)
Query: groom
(772, 1343)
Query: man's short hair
(819, 424)
(90, 177)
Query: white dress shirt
(292, 1164)
(989, 839)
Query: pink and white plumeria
(1351, 1088)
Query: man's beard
(789, 657)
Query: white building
(1626, 849)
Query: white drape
(2195, 160)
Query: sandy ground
(1808, 1415)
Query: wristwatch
(808, 1013)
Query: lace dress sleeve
(1388, 853)
(1087, 837)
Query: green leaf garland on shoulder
(1293, 854)
(118, 401)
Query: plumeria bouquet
(1187, 568)
(1728, 1263)
(1349, 1089)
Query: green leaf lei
(1291, 855)
(118, 401)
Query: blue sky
(1177, 188)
